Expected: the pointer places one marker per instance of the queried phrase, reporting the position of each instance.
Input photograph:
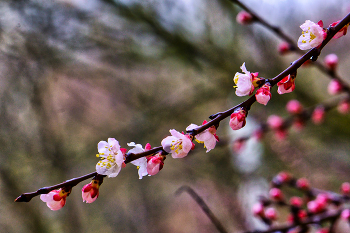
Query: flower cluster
(247, 82)
(314, 208)
(113, 157)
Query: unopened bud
(244, 18)
(331, 61)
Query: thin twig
(203, 206)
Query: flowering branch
(26, 197)
(291, 44)
(150, 161)
(321, 206)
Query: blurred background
(74, 72)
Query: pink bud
(258, 134)
(317, 205)
(322, 230)
(341, 32)
(281, 134)
(263, 94)
(237, 120)
(334, 87)
(331, 61)
(276, 194)
(275, 122)
(286, 85)
(296, 201)
(345, 214)
(303, 183)
(345, 188)
(344, 106)
(148, 147)
(238, 144)
(258, 209)
(294, 107)
(283, 177)
(302, 214)
(155, 164)
(322, 199)
(244, 18)
(284, 48)
(271, 213)
(318, 115)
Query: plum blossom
(284, 48)
(263, 94)
(276, 123)
(286, 85)
(246, 82)
(244, 18)
(344, 106)
(208, 136)
(112, 158)
(90, 191)
(312, 35)
(331, 61)
(237, 120)
(56, 199)
(318, 115)
(140, 163)
(334, 87)
(177, 144)
(155, 164)
(294, 107)
(341, 32)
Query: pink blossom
(263, 94)
(244, 18)
(283, 177)
(177, 144)
(237, 120)
(344, 106)
(318, 115)
(239, 144)
(271, 213)
(331, 61)
(294, 107)
(155, 164)
(345, 214)
(345, 188)
(112, 158)
(341, 32)
(276, 194)
(312, 35)
(140, 163)
(284, 48)
(303, 184)
(90, 191)
(286, 85)
(55, 199)
(208, 136)
(258, 209)
(275, 122)
(334, 87)
(296, 201)
(245, 82)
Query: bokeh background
(75, 72)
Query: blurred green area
(76, 72)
